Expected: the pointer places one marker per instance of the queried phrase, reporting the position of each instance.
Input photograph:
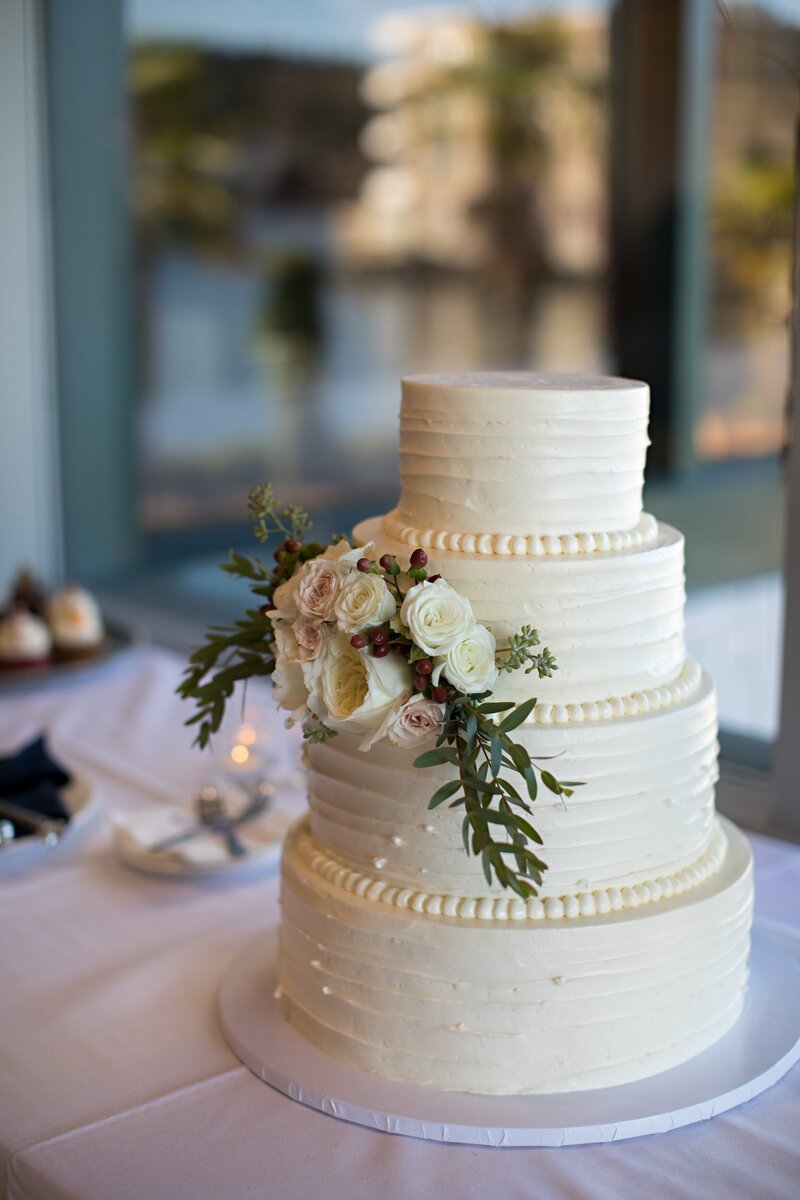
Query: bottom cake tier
(513, 1005)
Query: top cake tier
(520, 454)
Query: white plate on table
(205, 855)
(80, 798)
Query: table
(115, 1080)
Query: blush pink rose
(318, 589)
(311, 636)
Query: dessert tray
(762, 1046)
(118, 640)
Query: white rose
(286, 647)
(363, 601)
(437, 616)
(289, 688)
(284, 598)
(470, 664)
(418, 720)
(354, 691)
(346, 555)
(311, 637)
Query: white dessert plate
(118, 640)
(203, 855)
(761, 1047)
(83, 804)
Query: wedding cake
(397, 956)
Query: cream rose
(284, 599)
(418, 720)
(469, 665)
(311, 637)
(286, 647)
(437, 616)
(363, 601)
(354, 691)
(320, 579)
(289, 688)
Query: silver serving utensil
(7, 833)
(261, 794)
(47, 829)
(213, 812)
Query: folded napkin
(34, 779)
(136, 832)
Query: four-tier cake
(396, 954)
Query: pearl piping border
(513, 908)
(502, 544)
(633, 705)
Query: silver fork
(213, 812)
(260, 794)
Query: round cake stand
(761, 1047)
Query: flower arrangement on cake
(381, 649)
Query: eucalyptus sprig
(481, 750)
(521, 650)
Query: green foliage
(481, 750)
(234, 653)
(318, 733)
(521, 650)
(269, 518)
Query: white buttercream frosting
(514, 1005)
(646, 808)
(613, 619)
(522, 453)
(74, 617)
(23, 637)
(396, 955)
(506, 907)
(518, 544)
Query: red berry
(358, 640)
(398, 648)
(264, 609)
(387, 561)
(421, 682)
(292, 545)
(380, 651)
(439, 694)
(423, 666)
(433, 578)
(379, 636)
(364, 565)
(419, 558)
(278, 555)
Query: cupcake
(25, 641)
(75, 623)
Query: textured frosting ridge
(515, 1006)
(646, 809)
(614, 620)
(522, 453)
(514, 908)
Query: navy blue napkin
(34, 779)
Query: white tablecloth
(115, 1080)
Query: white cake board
(762, 1046)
